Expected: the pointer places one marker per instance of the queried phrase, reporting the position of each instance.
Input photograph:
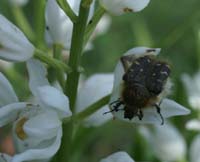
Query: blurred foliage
(170, 25)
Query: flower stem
(39, 22)
(89, 110)
(182, 160)
(93, 23)
(59, 65)
(68, 10)
(197, 34)
(55, 74)
(75, 55)
(72, 80)
(22, 22)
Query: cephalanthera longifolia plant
(44, 126)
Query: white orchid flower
(194, 149)
(19, 2)
(14, 46)
(58, 24)
(103, 26)
(37, 128)
(168, 107)
(5, 158)
(193, 89)
(118, 7)
(193, 124)
(168, 144)
(118, 157)
(93, 89)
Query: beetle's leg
(140, 114)
(117, 101)
(115, 107)
(159, 112)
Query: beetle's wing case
(138, 71)
(157, 77)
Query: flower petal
(7, 94)
(37, 74)
(55, 99)
(171, 108)
(193, 89)
(9, 112)
(118, 7)
(193, 124)
(59, 26)
(194, 150)
(41, 153)
(165, 137)
(93, 89)
(118, 157)
(16, 46)
(168, 107)
(43, 126)
(5, 157)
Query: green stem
(64, 154)
(75, 55)
(39, 22)
(57, 53)
(59, 65)
(22, 22)
(182, 160)
(68, 10)
(89, 110)
(197, 35)
(93, 23)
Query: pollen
(19, 129)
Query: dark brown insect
(144, 81)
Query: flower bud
(118, 157)
(18, 2)
(14, 46)
(118, 7)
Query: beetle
(143, 82)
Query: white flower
(5, 158)
(166, 142)
(194, 150)
(168, 107)
(59, 26)
(19, 2)
(193, 124)
(118, 157)
(14, 46)
(193, 89)
(118, 7)
(103, 25)
(37, 128)
(94, 88)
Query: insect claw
(159, 112)
(110, 111)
